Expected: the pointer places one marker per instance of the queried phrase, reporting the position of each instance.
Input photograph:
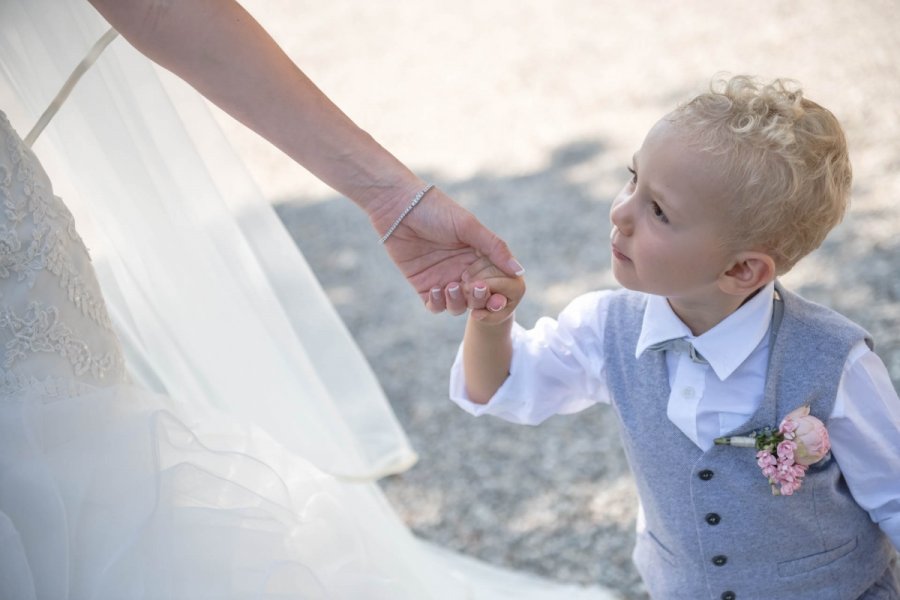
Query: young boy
(727, 192)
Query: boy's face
(669, 221)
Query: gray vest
(713, 528)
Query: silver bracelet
(406, 211)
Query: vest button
(728, 596)
(705, 474)
(713, 519)
(719, 560)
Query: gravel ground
(527, 113)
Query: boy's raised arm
(487, 345)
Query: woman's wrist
(383, 197)
(405, 212)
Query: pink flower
(789, 425)
(765, 459)
(786, 449)
(786, 478)
(809, 434)
(767, 462)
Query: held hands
(483, 280)
(437, 245)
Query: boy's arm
(864, 431)
(487, 353)
(487, 345)
(527, 376)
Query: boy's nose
(620, 215)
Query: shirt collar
(726, 345)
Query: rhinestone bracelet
(406, 211)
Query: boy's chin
(627, 283)
(636, 287)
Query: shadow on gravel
(532, 498)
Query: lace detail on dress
(39, 330)
(55, 331)
(53, 236)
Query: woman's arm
(223, 52)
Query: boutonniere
(785, 453)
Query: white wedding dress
(182, 413)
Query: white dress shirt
(558, 367)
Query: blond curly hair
(786, 157)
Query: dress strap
(67, 87)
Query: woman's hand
(436, 244)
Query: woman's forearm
(219, 49)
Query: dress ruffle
(110, 494)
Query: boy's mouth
(618, 254)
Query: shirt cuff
(458, 393)
(506, 403)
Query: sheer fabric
(132, 152)
(203, 427)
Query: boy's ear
(749, 272)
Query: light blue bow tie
(680, 345)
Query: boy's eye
(658, 212)
(655, 207)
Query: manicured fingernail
(480, 292)
(453, 290)
(516, 267)
(436, 293)
(497, 308)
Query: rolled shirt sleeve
(864, 430)
(557, 367)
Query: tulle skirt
(109, 493)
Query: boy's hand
(483, 280)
